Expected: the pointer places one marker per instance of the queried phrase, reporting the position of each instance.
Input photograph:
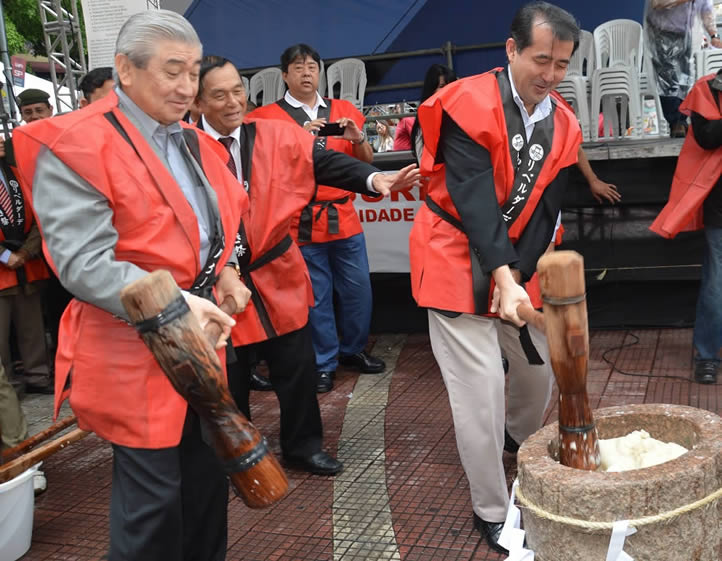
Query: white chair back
(268, 82)
(582, 63)
(711, 61)
(350, 73)
(618, 52)
(573, 90)
(618, 43)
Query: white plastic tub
(17, 500)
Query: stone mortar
(608, 497)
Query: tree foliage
(16, 42)
(24, 28)
(23, 18)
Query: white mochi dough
(635, 451)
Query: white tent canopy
(33, 82)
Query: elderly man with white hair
(121, 189)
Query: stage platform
(403, 495)
(634, 277)
(628, 149)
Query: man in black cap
(34, 105)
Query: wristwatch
(363, 138)
(237, 268)
(714, 36)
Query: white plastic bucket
(17, 499)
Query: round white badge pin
(536, 152)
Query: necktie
(227, 141)
(5, 201)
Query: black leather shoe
(46, 389)
(324, 383)
(260, 383)
(363, 362)
(490, 531)
(705, 371)
(319, 463)
(510, 445)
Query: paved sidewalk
(403, 494)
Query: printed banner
(18, 65)
(103, 20)
(387, 223)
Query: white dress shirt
(235, 145)
(312, 112)
(541, 111)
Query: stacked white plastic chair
(350, 73)
(648, 89)
(270, 83)
(618, 52)
(574, 88)
(246, 84)
(322, 80)
(707, 61)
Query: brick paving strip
(362, 525)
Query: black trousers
(55, 300)
(292, 369)
(169, 504)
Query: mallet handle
(36, 439)
(531, 316)
(15, 467)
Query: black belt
(276, 251)
(481, 283)
(305, 224)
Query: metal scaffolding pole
(6, 62)
(64, 44)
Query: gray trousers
(468, 350)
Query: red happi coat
(348, 220)
(114, 384)
(698, 170)
(440, 261)
(34, 269)
(277, 168)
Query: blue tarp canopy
(255, 33)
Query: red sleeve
(701, 101)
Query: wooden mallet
(561, 276)
(187, 356)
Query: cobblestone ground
(403, 494)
